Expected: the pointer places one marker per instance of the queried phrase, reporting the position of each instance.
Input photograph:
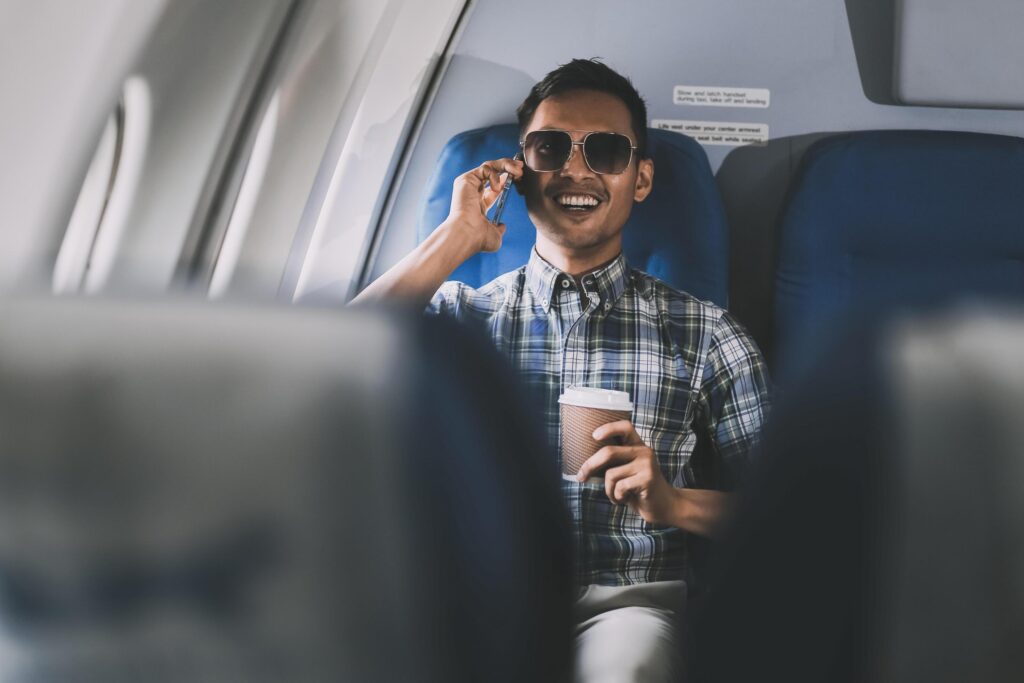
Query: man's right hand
(473, 194)
(464, 233)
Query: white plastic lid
(590, 397)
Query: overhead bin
(950, 53)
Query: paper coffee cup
(583, 410)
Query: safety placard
(717, 132)
(718, 96)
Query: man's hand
(633, 476)
(465, 233)
(474, 193)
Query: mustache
(555, 189)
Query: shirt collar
(544, 280)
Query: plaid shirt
(698, 383)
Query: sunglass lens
(608, 152)
(547, 150)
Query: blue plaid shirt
(698, 383)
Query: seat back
(209, 492)
(888, 497)
(885, 218)
(679, 234)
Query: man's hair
(588, 74)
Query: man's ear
(644, 180)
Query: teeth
(577, 200)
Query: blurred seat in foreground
(209, 492)
(883, 539)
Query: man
(577, 314)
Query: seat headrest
(678, 234)
(883, 218)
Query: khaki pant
(627, 634)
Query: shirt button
(565, 284)
(589, 281)
(607, 305)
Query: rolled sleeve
(735, 396)
(445, 300)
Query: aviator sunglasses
(549, 150)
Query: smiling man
(577, 314)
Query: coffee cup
(584, 409)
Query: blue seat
(884, 219)
(679, 234)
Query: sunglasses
(550, 150)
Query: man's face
(584, 229)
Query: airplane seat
(881, 537)
(879, 219)
(679, 234)
(195, 491)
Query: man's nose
(576, 166)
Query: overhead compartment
(950, 53)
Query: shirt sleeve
(734, 397)
(445, 300)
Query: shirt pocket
(662, 417)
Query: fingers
(622, 483)
(609, 455)
(491, 172)
(613, 477)
(476, 191)
(498, 175)
(473, 193)
(514, 167)
(493, 176)
(623, 429)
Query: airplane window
(279, 189)
(99, 217)
(137, 106)
(255, 147)
(88, 212)
(192, 106)
(348, 94)
(329, 255)
(245, 204)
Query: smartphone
(499, 206)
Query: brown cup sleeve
(578, 425)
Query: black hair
(588, 74)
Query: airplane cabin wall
(62, 67)
(802, 51)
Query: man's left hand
(633, 476)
